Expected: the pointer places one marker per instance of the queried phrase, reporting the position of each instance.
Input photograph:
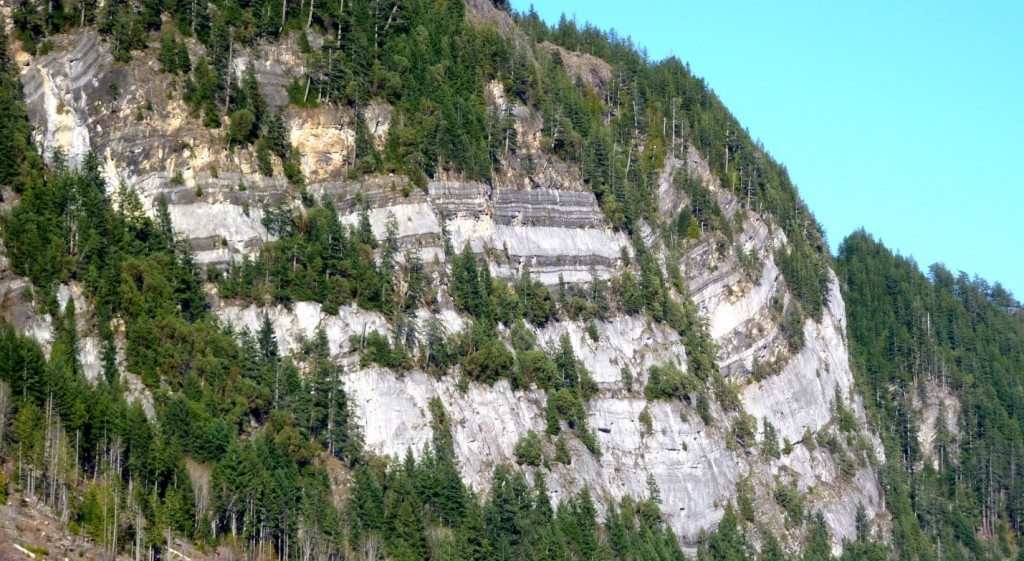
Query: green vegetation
(667, 381)
(19, 162)
(173, 56)
(703, 212)
(770, 442)
(646, 423)
(316, 258)
(791, 500)
(910, 334)
(529, 449)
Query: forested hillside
(940, 361)
(228, 441)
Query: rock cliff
(540, 215)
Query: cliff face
(539, 215)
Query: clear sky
(905, 118)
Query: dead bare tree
(370, 549)
(200, 476)
(5, 411)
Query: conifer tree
(18, 160)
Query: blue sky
(905, 118)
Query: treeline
(194, 467)
(268, 491)
(911, 334)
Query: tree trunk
(673, 124)
(227, 95)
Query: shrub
(243, 127)
(529, 449)
(491, 362)
(562, 454)
(667, 381)
(770, 444)
(534, 367)
(646, 423)
(377, 349)
(789, 498)
(743, 430)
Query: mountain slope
(942, 357)
(470, 236)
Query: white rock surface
(624, 342)
(939, 403)
(65, 126)
(800, 397)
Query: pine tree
(366, 158)
(123, 27)
(267, 340)
(189, 288)
(366, 504)
(408, 542)
(475, 543)
(388, 266)
(465, 281)
(18, 160)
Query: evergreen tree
(189, 288)
(267, 340)
(475, 543)
(18, 161)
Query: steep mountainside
(940, 359)
(383, 232)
